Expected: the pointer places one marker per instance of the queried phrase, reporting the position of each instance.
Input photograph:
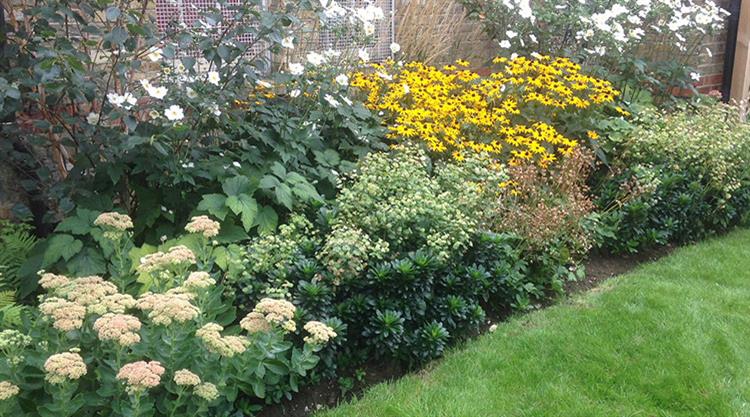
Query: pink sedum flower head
(115, 221)
(120, 328)
(178, 255)
(198, 281)
(227, 346)
(141, 376)
(320, 333)
(185, 378)
(206, 391)
(65, 315)
(8, 390)
(276, 312)
(64, 367)
(203, 225)
(90, 290)
(255, 322)
(50, 281)
(165, 309)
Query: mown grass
(669, 339)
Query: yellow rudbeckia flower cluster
(512, 113)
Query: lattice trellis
(187, 12)
(380, 50)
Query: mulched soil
(327, 393)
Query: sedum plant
(165, 345)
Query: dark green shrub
(676, 178)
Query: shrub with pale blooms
(64, 367)
(141, 376)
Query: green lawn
(670, 339)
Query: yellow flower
(457, 111)
(592, 135)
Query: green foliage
(393, 197)
(16, 243)
(183, 322)
(676, 178)
(218, 132)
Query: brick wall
(712, 67)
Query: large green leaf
(284, 195)
(237, 185)
(267, 220)
(215, 204)
(61, 246)
(87, 262)
(80, 224)
(244, 206)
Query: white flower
(115, 99)
(395, 48)
(288, 42)
(385, 76)
(330, 53)
(130, 100)
(342, 80)
(154, 55)
(510, 34)
(363, 55)
(296, 69)
(191, 93)
(213, 77)
(505, 44)
(236, 164)
(332, 101)
(493, 328)
(695, 76)
(174, 113)
(533, 38)
(369, 29)
(315, 59)
(407, 90)
(92, 118)
(295, 93)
